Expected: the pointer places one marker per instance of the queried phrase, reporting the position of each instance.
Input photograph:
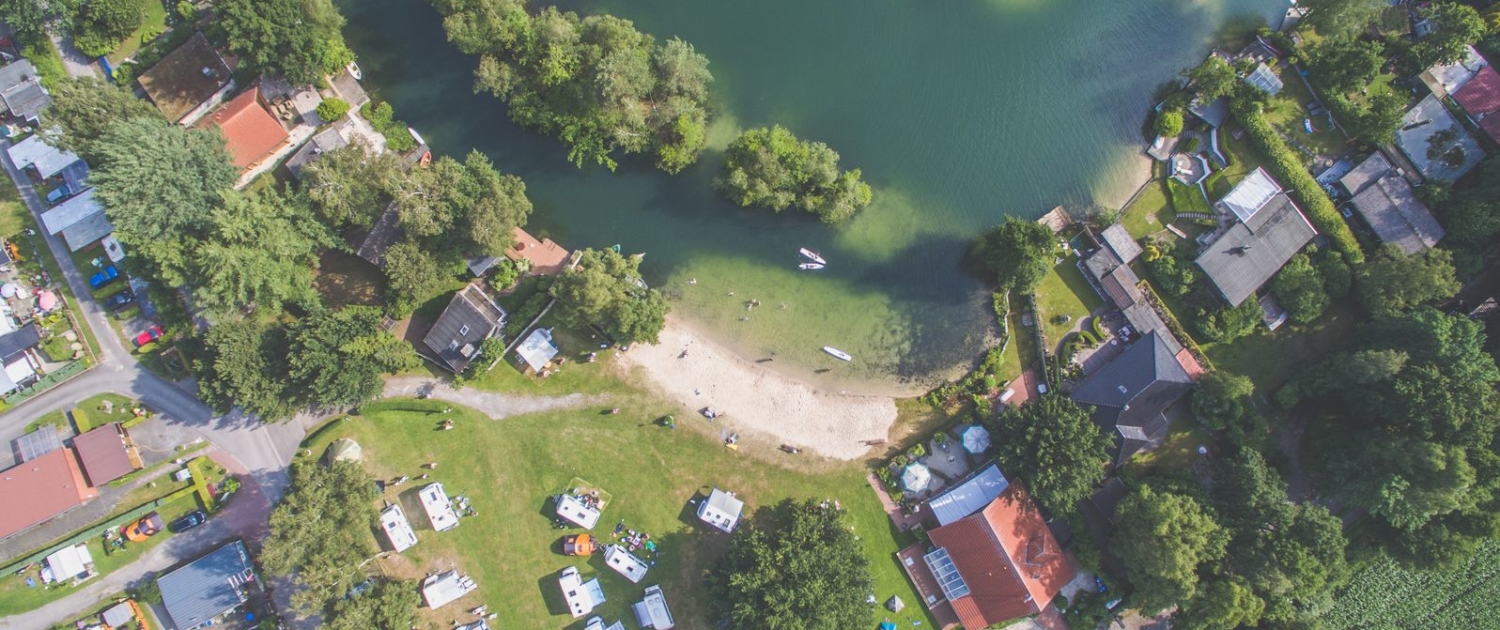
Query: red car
(152, 334)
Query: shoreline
(752, 398)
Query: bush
(917, 452)
(146, 349)
(124, 73)
(1188, 146)
(1169, 123)
(187, 10)
(421, 406)
(506, 273)
(332, 109)
(382, 118)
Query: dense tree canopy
(33, 18)
(1299, 289)
(260, 249)
(1221, 604)
(388, 605)
(465, 208)
(349, 187)
(243, 364)
(299, 39)
(1018, 254)
(1169, 122)
(1051, 444)
(1345, 65)
(102, 24)
(1163, 538)
(1222, 399)
(1391, 282)
(606, 289)
(1454, 27)
(774, 169)
(83, 110)
(1212, 78)
(1341, 18)
(320, 533)
(802, 569)
(596, 83)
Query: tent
(345, 450)
(894, 604)
(976, 439)
(886, 625)
(916, 478)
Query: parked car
(148, 526)
(105, 276)
(151, 334)
(119, 300)
(190, 520)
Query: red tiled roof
(1190, 364)
(41, 489)
(1491, 126)
(250, 131)
(1007, 557)
(547, 257)
(103, 455)
(1481, 95)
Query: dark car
(187, 522)
(119, 300)
(151, 334)
(105, 276)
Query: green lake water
(960, 112)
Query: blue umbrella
(887, 626)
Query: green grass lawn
(153, 23)
(508, 470)
(1271, 358)
(1149, 213)
(17, 597)
(1177, 451)
(1064, 291)
(1243, 160)
(1288, 110)
(90, 413)
(1187, 199)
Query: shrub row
(1286, 166)
(423, 406)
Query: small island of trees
(775, 169)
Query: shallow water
(959, 112)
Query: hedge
(1285, 164)
(422, 406)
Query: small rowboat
(810, 266)
(812, 255)
(837, 353)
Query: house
(1480, 97)
(471, 318)
(1267, 230)
(1427, 122)
(21, 92)
(968, 497)
(1445, 79)
(1116, 282)
(721, 509)
(106, 453)
(438, 507)
(397, 529)
(1387, 202)
(652, 612)
(545, 257)
(444, 588)
(1131, 394)
(251, 133)
(1121, 243)
(346, 87)
(16, 356)
(210, 587)
(384, 234)
(330, 139)
(80, 221)
(991, 567)
(40, 489)
(1214, 112)
(1263, 78)
(582, 597)
(625, 563)
(44, 159)
(184, 84)
(118, 615)
(73, 562)
(537, 350)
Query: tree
(332, 109)
(1299, 289)
(1345, 65)
(1018, 254)
(1338, 278)
(1169, 123)
(349, 187)
(606, 289)
(802, 569)
(462, 208)
(300, 39)
(775, 169)
(33, 18)
(1172, 274)
(1051, 444)
(1377, 119)
(320, 532)
(494, 205)
(1221, 604)
(388, 605)
(101, 24)
(1229, 323)
(1341, 18)
(412, 277)
(336, 358)
(1454, 27)
(1212, 78)
(1163, 538)
(159, 182)
(260, 250)
(83, 110)
(1222, 399)
(244, 365)
(1391, 281)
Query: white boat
(810, 266)
(355, 72)
(838, 353)
(812, 255)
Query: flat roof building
(1421, 125)
(1387, 202)
(44, 158)
(546, 257)
(207, 588)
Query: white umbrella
(916, 478)
(8, 290)
(976, 439)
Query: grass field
(1243, 160)
(1271, 358)
(1064, 291)
(1150, 212)
(508, 469)
(1288, 110)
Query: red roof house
(251, 133)
(41, 489)
(1481, 95)
(994, 566)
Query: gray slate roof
(207, 587)
(382, 235)
(87, 232)
(1388, 203)
(1120, 241)
(1420, 123)
(349, 89)
(329, 140)
(471, 318)
(1249, 254)
(21, 90)
(13, 343)
(1214, 113)
(1131, 393)
(76, 208)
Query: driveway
(78, 64)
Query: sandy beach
(755, 399)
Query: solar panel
(39, 442)
(947, 575)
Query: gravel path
(494, 405)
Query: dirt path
(493, 404)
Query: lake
(959, 112)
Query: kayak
(812, 255)
(838, 353)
